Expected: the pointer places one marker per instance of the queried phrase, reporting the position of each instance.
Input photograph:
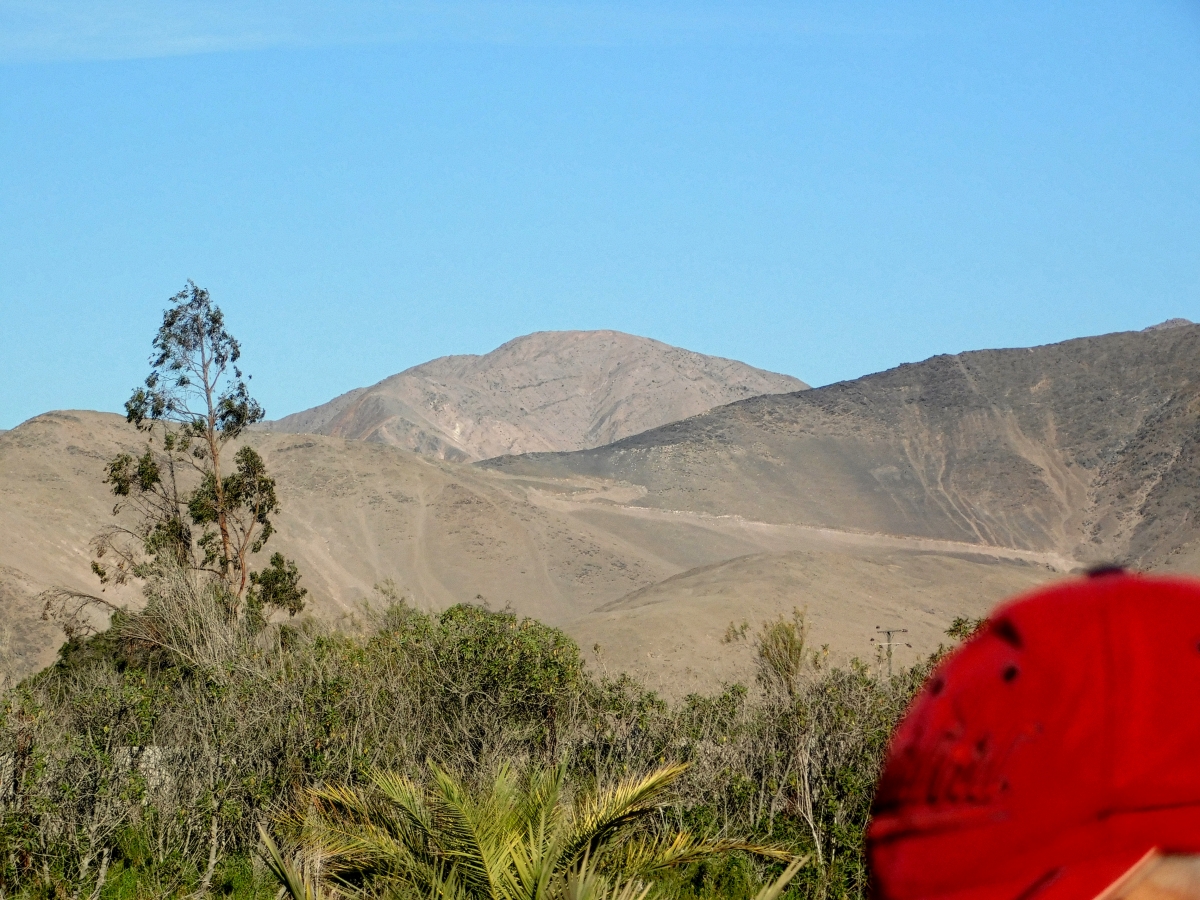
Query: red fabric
(1051, 751)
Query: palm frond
(382, 832)
(585, 883)
(600, 817)
(777, 887)
(402, 791)
(536, 858)
(444, 886)
(541, 796)
(352, 849)
(477, 839)
(292, 881)
(513, 840)
(647, 856)
(414, 822)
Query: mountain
(655, 590)
(1169, 323)
(553, 390)
(1086, 449)
(902, 499)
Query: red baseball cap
(1051, 751)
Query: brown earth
(553, 390)
(901, 499)
(656, 590)
(1086, 449)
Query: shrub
(150, 753)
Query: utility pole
(889, 632)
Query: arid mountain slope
(553, 390)
(846, 596)
(1086, 448)
(656, 590)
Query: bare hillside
(655, 590)
(902, 499)
(1086, 448)
(553, 390)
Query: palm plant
(293, 882)
(512, 841)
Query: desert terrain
(1086, 449)
(899, 500)
(548, 391)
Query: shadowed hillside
(903, 499)
(355, 514)
(553, 390)
(1085, 448)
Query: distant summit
(912, 496)
(1170, 323)
(547, 391)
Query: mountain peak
(1170, 323)
(546, 391)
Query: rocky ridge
(552, 390)
(1086, 448)
(904, 498)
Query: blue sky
(823, 189)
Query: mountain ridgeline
(783, 570)
(553, 390)
(1086, 448)
(910, 497)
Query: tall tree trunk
(212, 857)
(103, 874)
(214, 452)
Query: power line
(889, 632)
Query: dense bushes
(143, 762)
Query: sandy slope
(676, 631)
(901, 499)
(655, 589)
(1089, 449)
(553, 390)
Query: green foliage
(247, 496)
(735, 633)
(179, 504)
(155, 748)
(188, 383)
(963, 627)
(514, 839)
(277, 587)
(522, 669)
(781, 654)
(160, 533)
(293, 882)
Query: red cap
(1051, 751)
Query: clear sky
(820, 188)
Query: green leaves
(337, 727)
(520, 662)
(127, 474)
(195, 401)
(236, 410)
(193, 375)
(277, 586)
(781, 656)
(598, 818)
(964, 627)
(513, 840)
(290, 879)
(244, 500)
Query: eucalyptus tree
(194, 501)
